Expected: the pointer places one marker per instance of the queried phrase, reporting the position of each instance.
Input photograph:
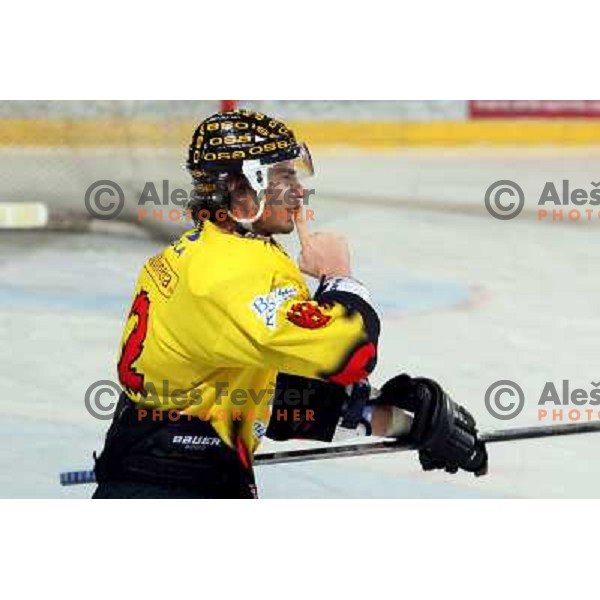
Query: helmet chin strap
(256, 174)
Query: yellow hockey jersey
(217, 315)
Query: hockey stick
(382, 447)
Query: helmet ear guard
(256, 174)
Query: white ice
(466, 299)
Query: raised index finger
(302, 228)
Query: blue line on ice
(62, 300)
(400, 296)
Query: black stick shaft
(524, 433)
(400, 445)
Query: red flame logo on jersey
(307, 315)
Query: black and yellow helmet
(227, 139)
(242, 142)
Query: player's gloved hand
(444, 432)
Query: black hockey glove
(444, 433)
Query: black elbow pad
(304, 408)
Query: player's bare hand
(322, 253)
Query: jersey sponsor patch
(266, 305)
(259, 429)
(162, 274)
(308, 315)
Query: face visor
(303, 164)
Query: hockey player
(224, 342)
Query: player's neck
(231, 227)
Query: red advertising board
(534, 109)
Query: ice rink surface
(465, 299)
